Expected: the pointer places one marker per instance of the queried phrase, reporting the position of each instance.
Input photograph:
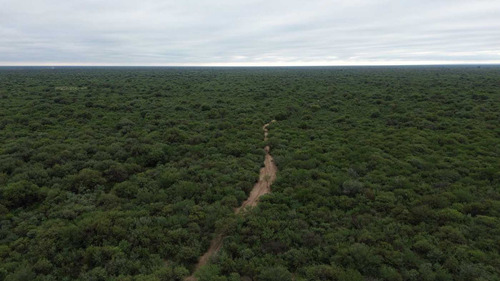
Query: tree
(21, 194)
(275, 273)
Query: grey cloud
(195, 32)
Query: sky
(253, 32)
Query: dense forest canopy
(385, 173)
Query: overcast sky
(254, 32)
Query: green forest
(127, 174)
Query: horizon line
(246, 65)
(317, 63)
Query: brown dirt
(263, 186)
(215, 246)
(267, 176)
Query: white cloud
(195, 32)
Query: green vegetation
(128, 173)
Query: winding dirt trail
(267, 176)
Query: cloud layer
(254, 32)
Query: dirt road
(267, 176)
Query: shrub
(21, 194)
(125, 189)
(86, 179)
(276, 273)
(352, 187)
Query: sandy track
(267, 176)
(215, 246)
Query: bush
(86, 179)
(352, 187)
(277, 273)
(21, 194)
(22, 274)
(125, 189)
